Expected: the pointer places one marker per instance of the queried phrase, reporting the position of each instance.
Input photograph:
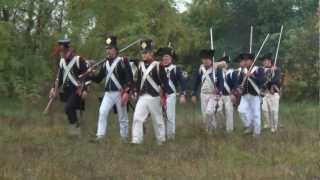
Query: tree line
(29, 30)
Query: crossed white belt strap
(67, 70)
(254, 85)
(171, 84)
(147, 77)
(206, 73)
(110, 70)
(225, 84)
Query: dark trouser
(73, 103)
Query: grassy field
(36, 147)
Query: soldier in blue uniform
(210, 80)
(175, 78)
(151, 86)
(118, 81)
(230, 85)
(250, 104)
(73, 89)
(271, 89)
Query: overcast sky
(181, 5)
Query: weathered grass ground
(36, 147)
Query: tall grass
(33, 146)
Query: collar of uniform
(69, 58)
(147, 63)
(227, 70)
(68, 54)
(267, 67)
(168, 65)
(207, 67)
(111, 60)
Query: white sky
(181, 5)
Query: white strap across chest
(147, 77)
(254, 85)
(225, 84)
(206, 74)
(67, 70)
(110, 70)
(168, 71)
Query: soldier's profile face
(111, 52)
(166, 59)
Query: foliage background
(29, 30)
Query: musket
(211, 43)
(165, 116)
(255, 59)
(56, 86)
(251, 37)
(278, 46)
(102, 61)
(238, 93)
(211, 46)
(211, 38)
(120, 51)
(217, 98)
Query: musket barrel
(251, 36)
(278, 46)
(131, 44)
(256, 57)
(56, 84)
(120, 51)
(211, 38)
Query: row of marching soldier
(156, 86)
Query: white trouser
(228, 112)
(147, 104)
(211, 105)
(171, 114)
(250, 112)
(270, 109)
(109, 100)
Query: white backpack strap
(78, 62)
(110, 71)
(203, 71)
(254, 85)
(254, 69)
(67, 70)
(147, 77)
(239, 71)
(62, 61)
(225, 84)
(168, 71)
(214, 74)
(206, 75)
